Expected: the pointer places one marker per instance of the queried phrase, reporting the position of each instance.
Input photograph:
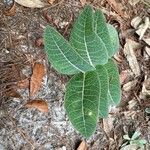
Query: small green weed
(134, 141)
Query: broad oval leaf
(114, 91)
(101, 30)
(86, 42)
(114, 38)
(103, 94)
(61, 55)
(82, 102)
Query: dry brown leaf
(82, 146)
(31, 3)
(129, 48)
(38, 104)
(83, 2)
(36, 78)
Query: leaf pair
(96, 83)
(89, 95)
(90, 44)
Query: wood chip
(145, 93)
(147, 49)
(134, 2)
(143, 28)
(129, 48)
(146, 87)
(82, 146)
(129, 85)
(36, 78)
(132, 104)
(147, 41)
(135, 22)
(118, 58)
(38, 104)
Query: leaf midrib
(88, 55)
(83, 103)
(99, 92)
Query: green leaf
(114, 91)
(142, 142)
(61, 55)
(82, 102)
(86, 42)
(102, 31)
(103, 83)
(135, 135)
(114, 38)
(147, 110)
(139, 143)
